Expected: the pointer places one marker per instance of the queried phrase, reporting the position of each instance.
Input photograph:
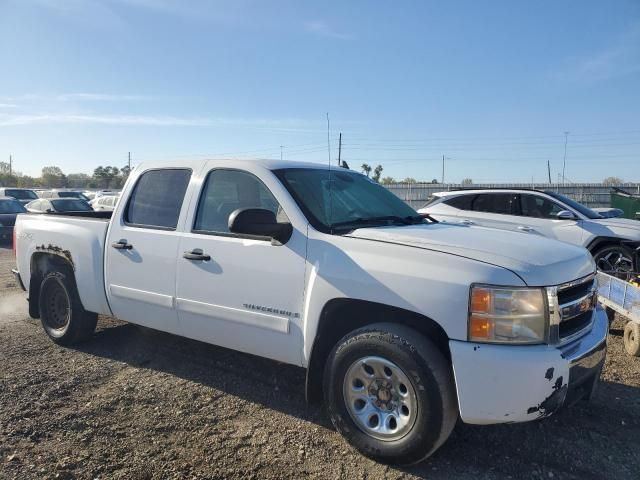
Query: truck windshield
(79, 195)
(70, 205)
(587, 212)
(21, 194)
(344, 200)
(11, 206)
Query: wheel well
(343, 315)
(600, 242)
(41, 264)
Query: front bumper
(509, 383)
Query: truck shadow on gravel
(587, 441)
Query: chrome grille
(571, 308)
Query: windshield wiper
(381, 220)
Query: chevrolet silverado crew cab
(611, 241)
(403, 324)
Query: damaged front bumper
(508, 383)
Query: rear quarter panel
(78, 240)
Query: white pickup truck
(403, 324)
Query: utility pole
(549, 171)
(564, 160)
(129, 162)
(443, 169)
(10, 166)
(281, 149)
(340, 149)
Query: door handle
(122, 245)
(467, 222)
(196, 254)
(524, 228)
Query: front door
(540, 216)
(141, 250)
(244, 293)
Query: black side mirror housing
(259, 222)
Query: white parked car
(403, 325)
(105, 203)
(611, 241)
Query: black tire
(608, 259)
(611, 315)
(62, 315)
(431, 379)
(632, 338)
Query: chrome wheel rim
(58, 306)
(614, 261)
(380, 398)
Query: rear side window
(502, 203)
(157, 198)
(463, 202)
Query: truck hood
(539, 261)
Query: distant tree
(387, 180)
(366, 169)
(376, 173)
(435, 180)
(25, 181)
(78, 180)
(409, 180)
(612, 181)
(106, 177)
(467, 181)
(5, 178)
(53, 177)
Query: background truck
(403, 324)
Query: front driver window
(539, 207)
(228, 190)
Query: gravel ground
(137, 404)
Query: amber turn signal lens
(480, 300)
(478, 327)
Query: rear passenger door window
(226, 191)
(157, 199)
(499, 203)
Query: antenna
(330, 176)
(340, 150)
(564, 160)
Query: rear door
(242, 292)
(142, 247)
(492, 209)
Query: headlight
(507, 315)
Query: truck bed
(78, 238)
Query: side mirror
(259, 222)
(565, 215)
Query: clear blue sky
(491, 85)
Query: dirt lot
(137, 404)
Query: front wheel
(390, 392)
(616, 260)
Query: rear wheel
(390, 392)
(632, 338)
(62, 315)
(614, 260)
